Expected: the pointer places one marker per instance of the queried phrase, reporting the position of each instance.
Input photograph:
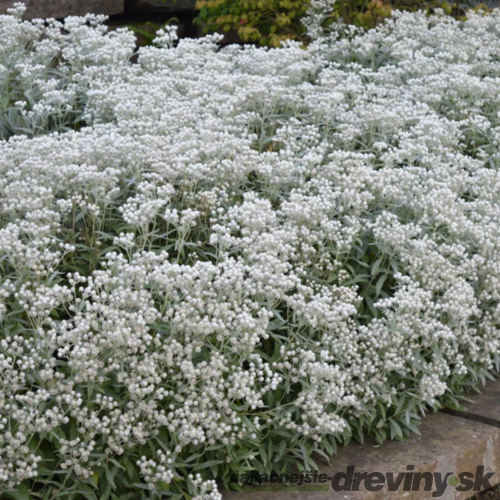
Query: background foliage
(270, 22)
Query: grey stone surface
(64, 8)
(448, 443)
(486, 406)
(159, 5)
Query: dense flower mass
(221, 260)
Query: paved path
(450, 443)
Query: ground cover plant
(214, 261)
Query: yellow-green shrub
(267, 22)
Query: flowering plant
(239, 258)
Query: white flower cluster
(45, 67)
(317, 12)
(244, 246)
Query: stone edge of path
(450, 441)
(62, 8)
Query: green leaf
(263, 454)
(395, 430)
(281, 451)
(376, 266)
(380, 284)
(21, 493)
(206, 465)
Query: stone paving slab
(485, 407)
(448, 443)
(63, 8)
